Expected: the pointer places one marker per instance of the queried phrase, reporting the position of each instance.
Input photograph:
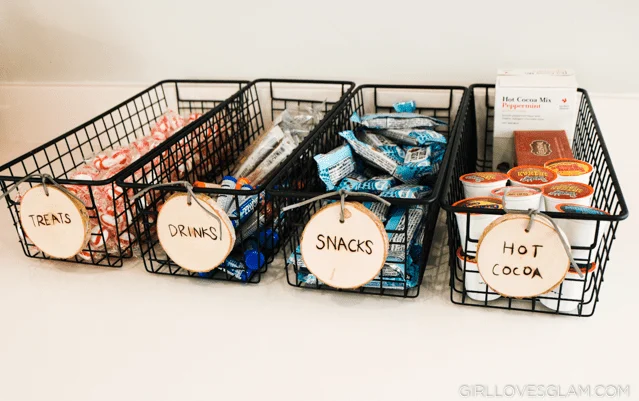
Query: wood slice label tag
(520, 264)
(193, 238)
(57, 223)
(348, 254)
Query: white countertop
(73, 332)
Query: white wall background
(446, 41)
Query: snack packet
(414, 137)
(335, 165)
(369, 153)
(352, 182)
(407, 191)
(396, 120)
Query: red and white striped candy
(98, 161)
(193, 116)
(86, 255)
(98, 238)
(114, 192)
(158, 136)
(107, 217)
(126, 239)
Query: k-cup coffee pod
(583, 235)
(481, 183)
(532, 177)
(478, 222)
(570, 170)
(518, 197)
(567, 296)
(567, 192)
(475, 286)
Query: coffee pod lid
(460, 255)
(532, 175)
(515, 191)
(568, 167)
(567, 190)
(584, 268)
(483, 177)
(574, 208)
(482, 202)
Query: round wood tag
(57, 223)
(191, 237)
(520, 264)
(348, 254)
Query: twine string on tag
(532, 213)
(45, 178)
(190, 197)
(342, 196)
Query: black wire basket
(299, 181)
(119, 126)
(193, 156)
(473, 152)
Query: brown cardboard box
(537, 147)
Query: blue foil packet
(405, 107)
(335, 165)
(395, 152)
(402, 239)
(378, 208)
(377, 184)
(372, 155)
(418, 163)
(414, 137)
(374, 139)
(396, 121)
(407, 191)
(418, 242)
(351, 182)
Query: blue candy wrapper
(378, 208)
(335, 165)
(400, 240)
(414, 137)
(418, 243)
(392, 276)
(383, 144)
(418, 163)
(405, 107)
(395, 152)
(372, 155)
(407, 191)
(374, 139)
(396, 120)
(377, 184)
(352, 182)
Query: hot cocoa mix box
(527, 100)
(537, 147)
